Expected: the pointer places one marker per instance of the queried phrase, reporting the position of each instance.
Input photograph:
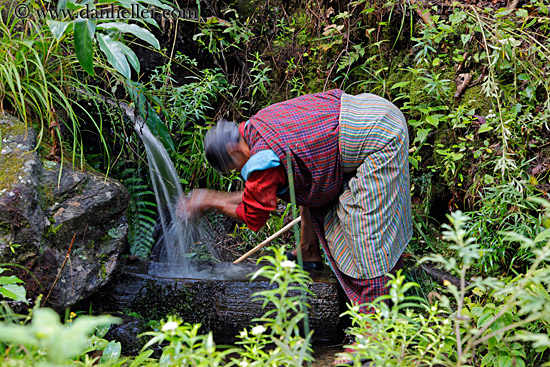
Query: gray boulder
(43, 206)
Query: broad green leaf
(413, 161)
(111, 353)
(421, 135)
(433, 120)
(131, 56)
(84, 30)
(10, 280)
(447, 28)
(14, 291)
(136, 30)
(114, 53)
(542, 236)
(57, 28)
(488, 180)
(504, 360)
(465, 38)
(522, 13)
(484, 128)
(158, 4)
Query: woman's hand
(200, 200)
(193, 204)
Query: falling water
(179, 234)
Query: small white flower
(257, 330)
(243, 334)
(170, 325)
(434, 308)
(446, 322)
(288, 264)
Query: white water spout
(179, 235)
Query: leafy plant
(108, 34)
(10, 288)
(141, 213)
(275, 340)
(49, 343)
(484, 322)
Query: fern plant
(141, 213)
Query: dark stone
(127, 334)
(42, 209)
(224, 307)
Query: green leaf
(399, 85)
(484, 128)
(57, 28)
(488, 180)
(421, 135)
(131, 56)
(447, 28)
(14, 291)
(115, 54)
(522, 13)
(158, 4)
(111, 353)
(136, 30)
(141, 358)
(465, 38)
(433, 120)
(542, 236)
(84, 30)
(504, 360)
(413, 161)
(10, 280)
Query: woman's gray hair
(215, 145)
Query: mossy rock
(46, 210)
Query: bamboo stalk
(268, 240)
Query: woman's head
(216, 143)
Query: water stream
(181, 236)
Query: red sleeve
(260, 196)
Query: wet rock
(127, 334)
(224, 307)
(42, 209)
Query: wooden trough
(224, 307)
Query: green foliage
(141, 213)
(274, 341)
(50, 343)
(43, 59)
(485, 322)
(186, 346)
(504, 208)
(109, 34)
(9, 287)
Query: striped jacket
(368, 223)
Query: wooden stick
(60, 269)
(268, 240)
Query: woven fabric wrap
(370, 226)
(307, 127)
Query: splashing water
(179, 233)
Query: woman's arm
(204, 199)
